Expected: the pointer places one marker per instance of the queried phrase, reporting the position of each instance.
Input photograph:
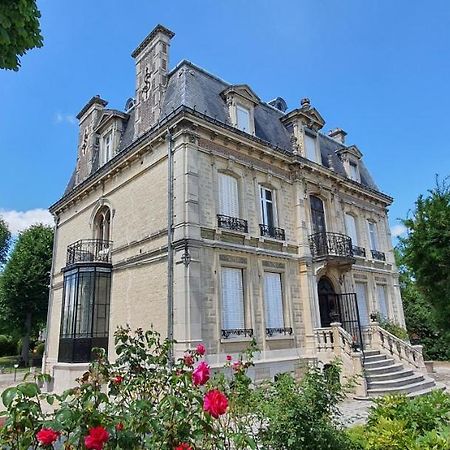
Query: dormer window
(243, 118)
(311, 151)
(106, 152)
(353, 171)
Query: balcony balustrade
(270, 332)
(325, 245)
(272, 232)
(232, 223)
(89, 251)
(245, 332)
(359, 251)
(378, 255)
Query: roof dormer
(350, 157)
(241, 101)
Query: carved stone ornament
(147, 83)
(84, 142)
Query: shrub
(7, 345)
(393, 327)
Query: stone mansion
(217, 217)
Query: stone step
(372, 358)
(370, 371)
(397, 382)
(377, 364)
(438, 386)
(390, 375)
(407, 389)
(371, 352)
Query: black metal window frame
(330, 244)
(232, 223)
(85, 312)
(272, 232)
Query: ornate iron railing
(378, 255)
(232, 223)
(330, 244)
(246, 332)
(89, 250)
(359, 251)
(273, 331)
(273, 232)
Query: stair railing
(400, 350)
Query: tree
(24, 284)
(426, 249)
(19, 31)
(5, 238)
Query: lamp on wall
(186, 256)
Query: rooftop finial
(305, 102)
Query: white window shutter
(232, 298)
(228, 195)
(350, 225)
(361, 297)
(310, 148)
(381, 294)
(273, 297)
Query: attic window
(353, 172)
(311, 148)
(243, 118)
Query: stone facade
(133, 184)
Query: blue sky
(379, 70)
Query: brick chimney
(152, 63)
(338, 134)
(87, 146)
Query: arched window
(102, 224)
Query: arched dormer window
(102, 224)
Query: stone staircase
(385, 375)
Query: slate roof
(191, 86)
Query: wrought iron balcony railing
(274, 331)
(330, 244)
(359, 251)
(232, 223)
(378, 255)
(89, 250)
(246, 332)
(273, 232)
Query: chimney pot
(338, 134)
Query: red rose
(96, 438)
(188, 359)
(229, 358)
(119, 426)
(200, 375)
(201, 349)
(215, 403)
(47, 436)
(183, 446)
(118, 379)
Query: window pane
(267, 209)
(361, 290)
(232, 298)
(228, 195)
(382, 304)
(373, 236)
(310, 148)
(350, 225)
(354, 175)
(243, 118)
(273, 300)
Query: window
(354, 173)
(382, 300)
(267, 206)
(232, 298)
(243, 118)
(106, 148)
(350, 225)
(228, 195)
(273, 300)
(85, 313)
(373, 238)
(317, 215)
(310, 148)
(361, 297)
(102, 224)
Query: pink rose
(229, 358)
(201, 349)
(237, 366)
(200, 375)
(188, 360)
(215, 403)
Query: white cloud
(65, 118)
(398, 230)
(19, 220)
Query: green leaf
(8, 396)
(29, 389)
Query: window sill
(236, 340)
(280, 337)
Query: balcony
(331, 246)
(237, 332)
(359, 251)
(380, 256)
(89, 251)
(232, 223)
(272, 232)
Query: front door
(327, 302)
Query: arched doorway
(327, 302)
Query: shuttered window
(273, 299)
(350, 225)
(228, 195)
(361, 296)
(232, 298)
(310, 148)
(243, 118)
(382, 303)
